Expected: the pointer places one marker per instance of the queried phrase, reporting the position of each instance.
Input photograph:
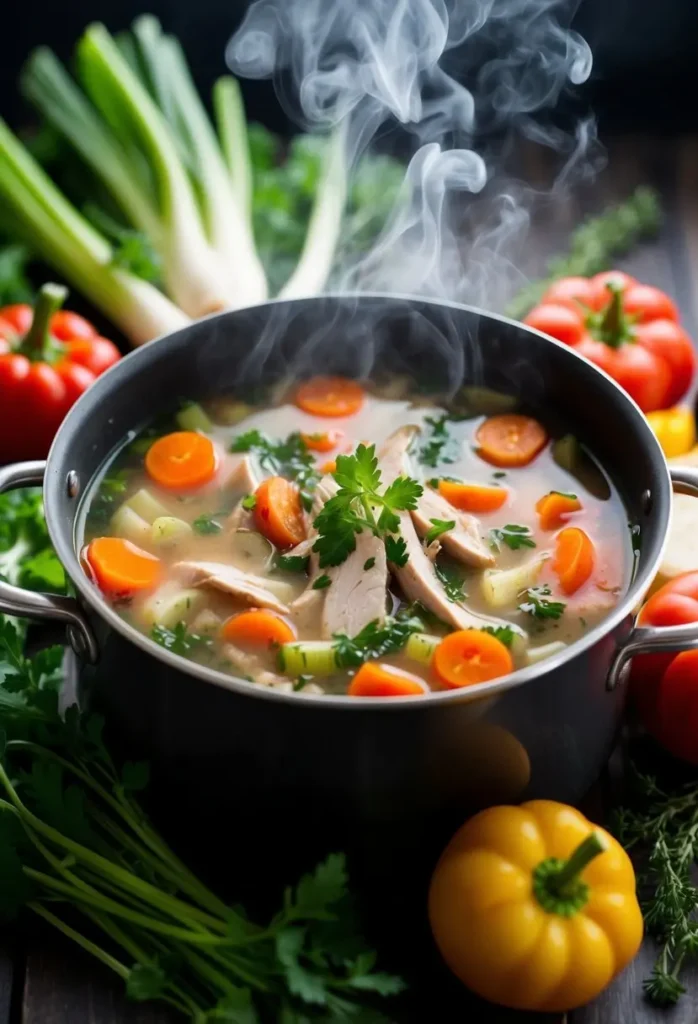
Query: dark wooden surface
(43, 980)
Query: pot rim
(65, 549)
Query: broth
(199, 555)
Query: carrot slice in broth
(330, 396)
(510, 440)
(181, 461)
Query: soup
(347, 540)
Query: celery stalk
(193, 273)
(42, 217)
(232, 132)
(325, 224)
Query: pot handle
(659, 639)
(32, 605)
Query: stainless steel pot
(319, 770)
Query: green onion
(38, 213)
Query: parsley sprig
(536, 603)
(375, 641)
(290, 458)
(452, 582)
(360, 504)
(440, 446)
(513, 535)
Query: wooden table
(43, 980)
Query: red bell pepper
(48, 357)
(665, 686)
(630, 330)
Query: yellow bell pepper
(533, 907)
(675, 429)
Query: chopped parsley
(301, 682)
(498, 475)
(289, 458)
(537, 604)
(206, 524)
(505, 634)
(452, 582)
(438, 526)
(566, 494)
(249, 502)
(322, 582)
(369, 563)
(374, 641)
(293, 563)
(513, 535)
(179, 641)
(440, 445)
(355, 505)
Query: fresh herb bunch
(77, 850)
(354, 508)
(594, 244)
(289, 458)
(663, 828)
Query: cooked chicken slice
(240, 474)
(356, 595)
(417, 577)
(463, 542)
(243, 585)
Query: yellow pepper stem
(557, 884)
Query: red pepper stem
(589, 848)
(37, 339)
(612, 326)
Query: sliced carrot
(278, 512)
(374, 680)
(510, 440)
(120, 568)
(470, 656)
(329, 467)
(257, 628)
(553, 506)
(324, 441)
(330, 396)
(472, 497)
(574, 558)
(181, 460)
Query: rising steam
(372, 63)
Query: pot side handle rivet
(72, 484)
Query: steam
(458, 228)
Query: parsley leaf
(440, 446)
(396, 551)
(179, 640)
(537, 604)
(206, 524)
(513, 535)
(289, 458)
(249, 502)
(438, 526)
(369, 563)
(452, 582)
(322, 582)
(353, 508)
(505, 634)
(292, 563)
(375, 641)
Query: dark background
(645, 74)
